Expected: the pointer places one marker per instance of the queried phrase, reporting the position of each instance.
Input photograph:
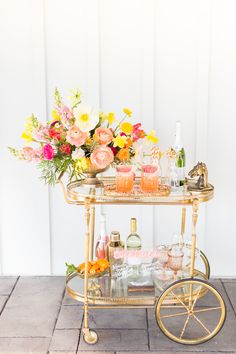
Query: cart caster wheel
(90, 337)
(197, 314)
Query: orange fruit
(103, 263)
(81, 267)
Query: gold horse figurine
(202, 183)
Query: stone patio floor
(36, 316)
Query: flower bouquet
(79, 140)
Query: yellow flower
(26, 136)
(55, 116)
(151, 137)
(82, 164)
(126, 127)
(119, 141)
(128, 112)
(110, 117)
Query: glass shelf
(141, 291)
(76, 193)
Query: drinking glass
(124, 179)
(162, 257)
(175, 259)
(149, 179)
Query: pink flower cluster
(31, 154)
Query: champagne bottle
(181, 159)
(101, 246)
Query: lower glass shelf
(141, 291)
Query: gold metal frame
(72, 196)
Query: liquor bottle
(181, 159)
(115, 245)
(101, 246)
(133, 243)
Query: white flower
(85, 118)
(77, 154)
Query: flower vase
(91, 179)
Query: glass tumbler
(149, 179)
(175, 259)
(124, 179)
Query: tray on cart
(76, 192)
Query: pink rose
(102, 157)
(76, 137)
(28, 153)
(103, 135)
(48, 152)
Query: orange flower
(123, 154)
(129, 143)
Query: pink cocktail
(149, 179)
(124, 179)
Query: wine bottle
(101, 246)
(133, 243)
(181, 158)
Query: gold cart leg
(193, 249)
(91, 239)
(90, 337)
(183, 224)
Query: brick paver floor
(36, 316)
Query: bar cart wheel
(90, 336)
(207, 269)
(183, 312)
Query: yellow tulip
(151, 137)
(26, 136)
(55, 116)
(110, 117)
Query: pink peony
(76, 137)
(28, 153)
(102, 157)
(64, 112)
(103, 135)
(48, 152)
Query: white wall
(166, 60)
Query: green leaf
(71, 268)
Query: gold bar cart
(188, 311)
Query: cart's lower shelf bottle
(133, 244)
(114, 248)
(101, 246)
